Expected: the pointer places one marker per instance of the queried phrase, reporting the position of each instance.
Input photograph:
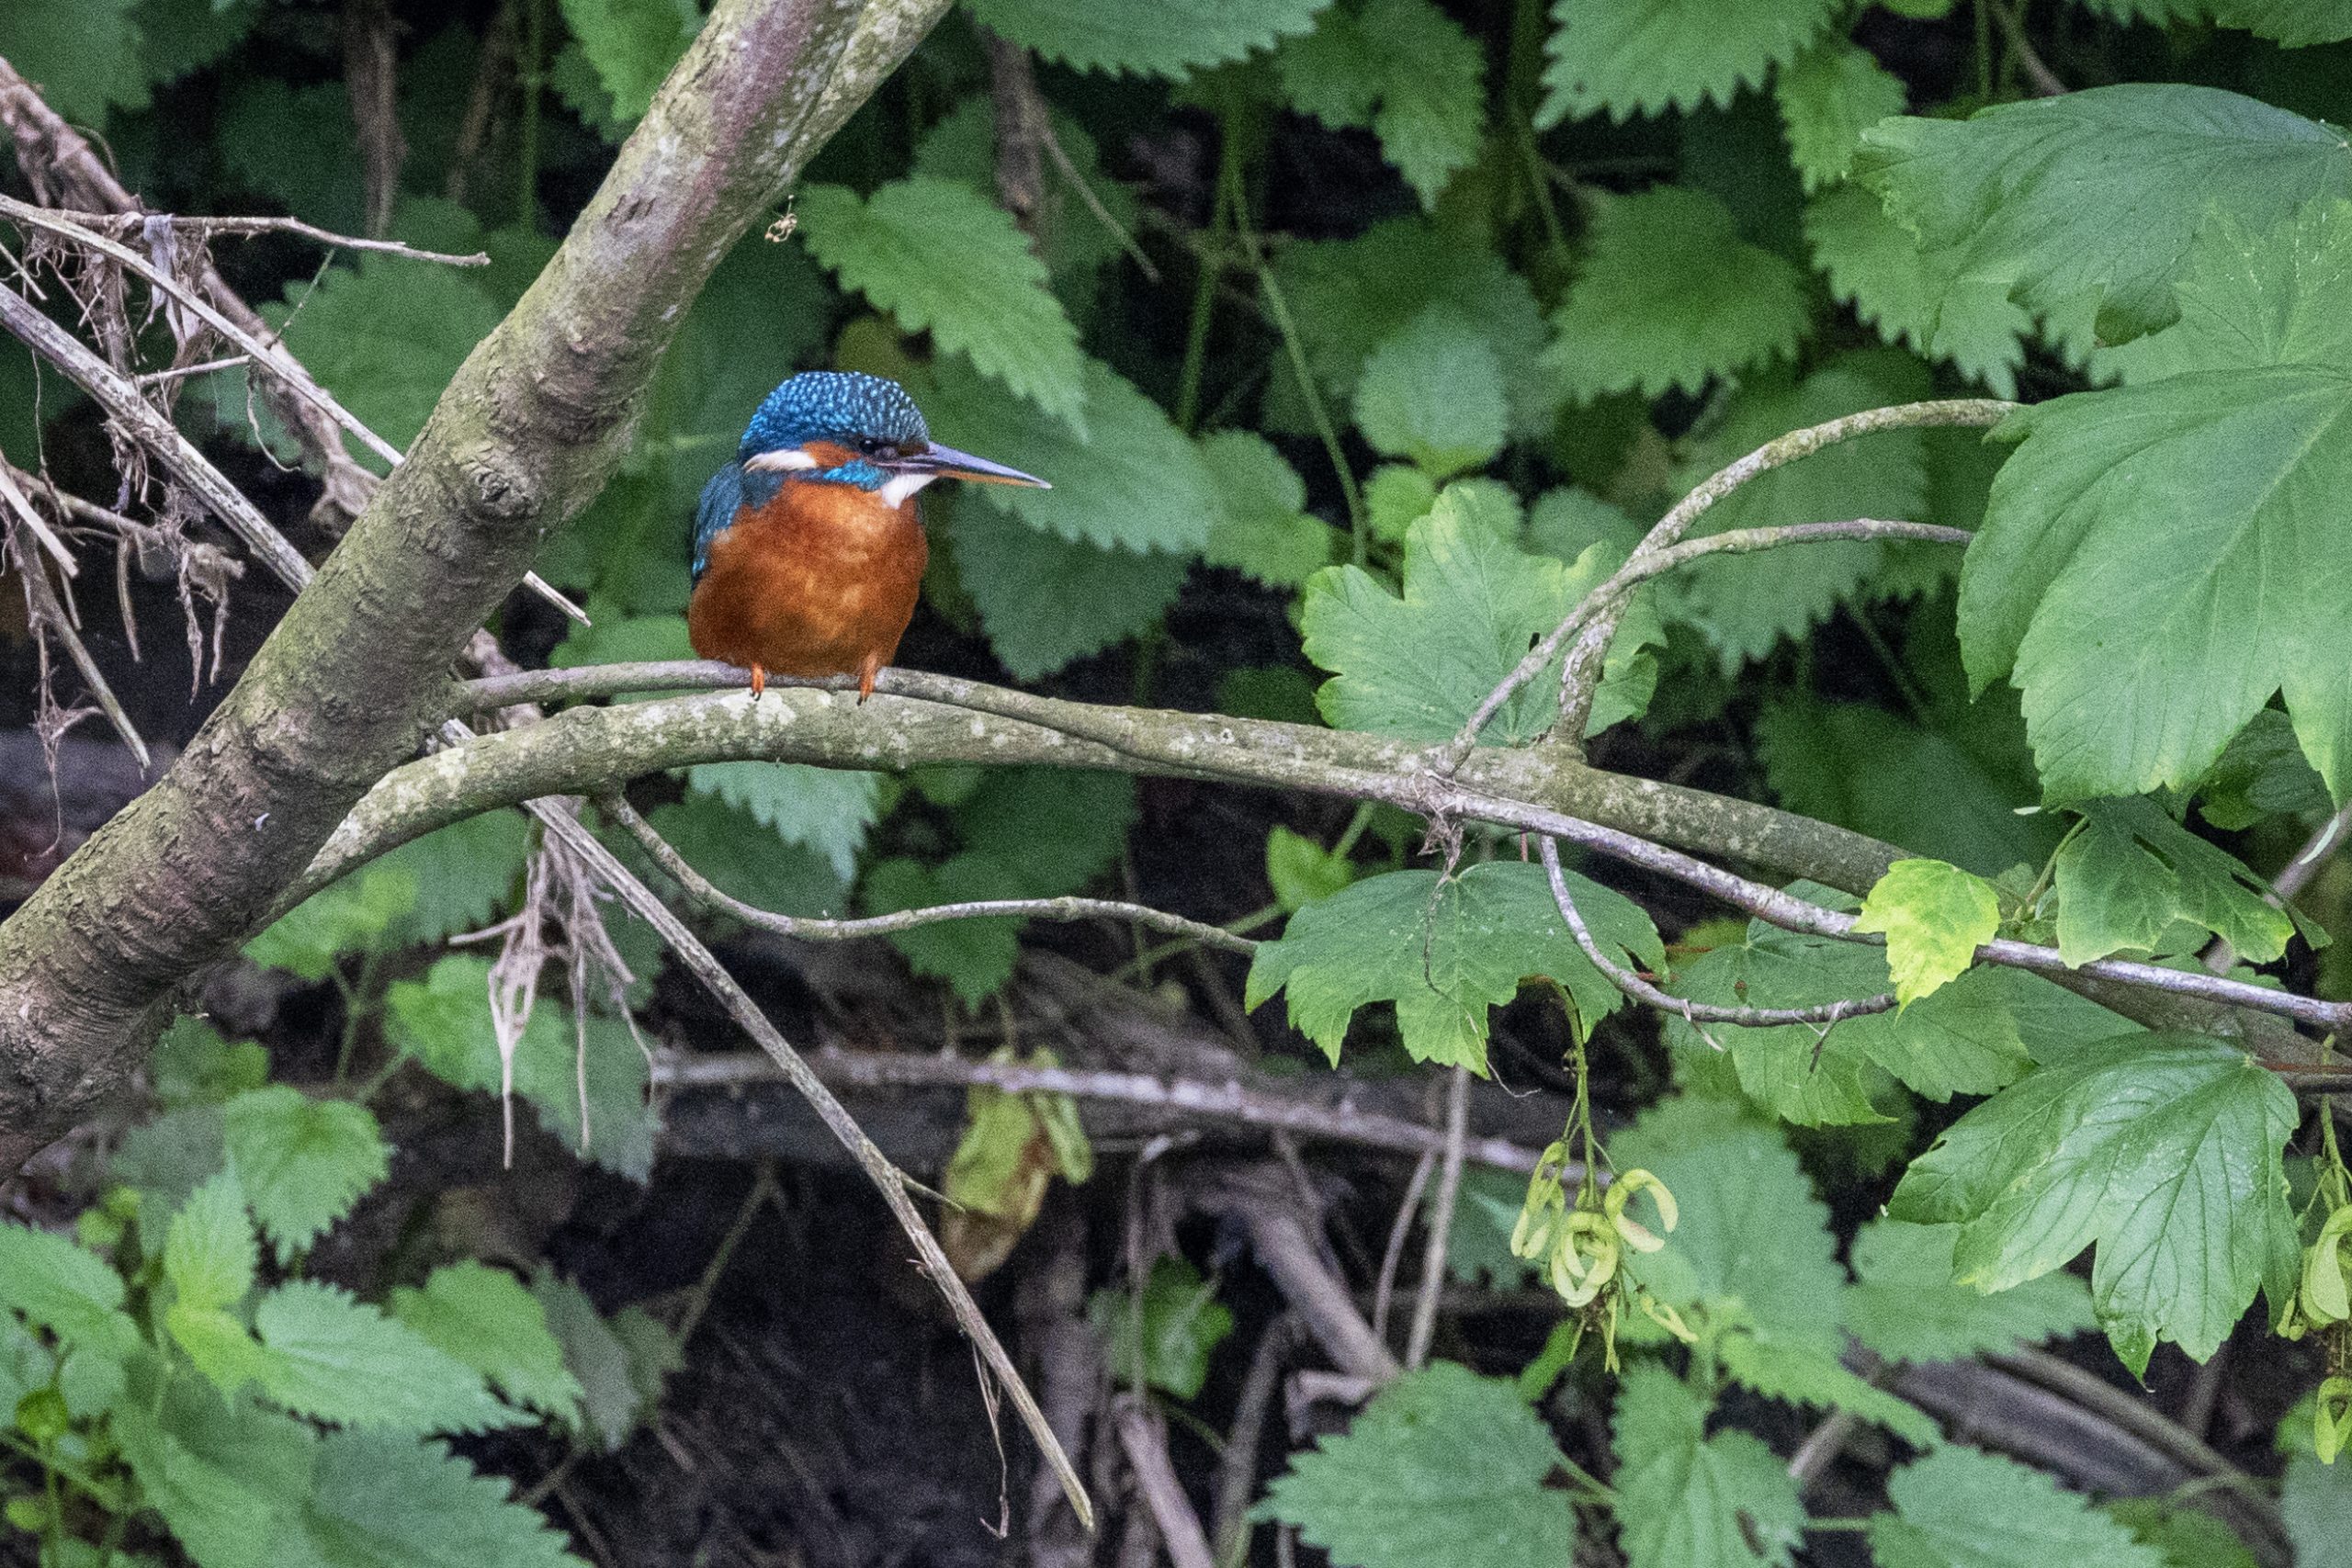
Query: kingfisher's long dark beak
(946, 463)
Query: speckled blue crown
(833, 405)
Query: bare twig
(1632, 983)
(2291, 879)
(1598, 612)
(1821, 1447)
(1400, 1230)
(1143, 1437)
(2047, 84)
(1236, 1468)
(51, 619)
(1440, 1226)
(207, 226)
(372, 79)
(12, 492)
(1261, 1105)
(1288, 1242)
(703, 891)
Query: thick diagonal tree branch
(354, 676)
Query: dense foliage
(1363, 341)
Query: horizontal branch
(126, 223)
(1229, 1100)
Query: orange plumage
(819, 580)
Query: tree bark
(357, 672)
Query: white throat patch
(895, 489)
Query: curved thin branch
(1599, 611)
(1691, 1012)
(207, 226)
(705, 892)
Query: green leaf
(2262, 772)
(444, 1021)
(1072, 239)
(387, 1501)
(1745, 605)
(1960, 1508)
(2163, 1149)
(209, 1256)
(1349, 297)
(358, 913)
(1416, 667)
(2315, 1504)
(2295, 23)
(2132, 872)
(1804, 1374)
(975, 956)
(1131, 480)
(2253, 298)
(1687, 1500)
(1260, 527)
(1301, 871)
(385, 336)
(1641, 59)
(464, 873)
(1165, 1334)
(82, 54)
(2087, 201)
(1961, 1040)
(60, 1287)
(943, 259)
(1934, 917)
(741, 858)
(619, 1361)
(1444, 1466)
(194, 1066)
(221, 1483)
(1903, 1305)
(632, 44)
(1046, 602)
(1444, 952)
(342, 1361)
(1668, 296)
(1434, 393)
(485, 1318)
(301, 1163)
(824, 809)
(1156, 38)
(1753, 1247)
(1939, 301)
(2183, 1536)
(1828, 97)
(2125, 578)
(1406, 70)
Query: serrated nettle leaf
(612, 1395)
(1433, 393)
(385, 337)
(194, 1065)
(1472, 604)
(1131, 481)
(2132, 872)
(217, 1480)
(1745, 605)
(1754, 1245)
(2295, 23)
(1904, 1306)
(1687, 1500)
(1958, 1508)
(59, 1286)
(1155, 37)
(1165, 1334)
(1046, 602)
(301, 1163)
(210, 1254)
(975, 956)
(2091, 197)
(1565, 522)
(464, 873)
(1963, 1039)
(343, 1360)
(1444, 952)
(1934, 917)
(1828, 97)
(1073, 240)
(824, 809)
(1804, 1374)
(1668, 53)
(487, 1319)
(632, 44)
(1300, 871)
(1349, 296)
(2163, 1149)
(1933, 300)
(83, 52)
(943, 259)
(2183, 1536)
(1444, 1466)
(1057, 828)
(1667, 296)
(412, 1503)
(358, 913)
(1260, 527)
(741, 857)
(1405, 69)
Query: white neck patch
(790, 460)
(900, 487)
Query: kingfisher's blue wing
(714, 511)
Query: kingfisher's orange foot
(759, 681)
(869, 669)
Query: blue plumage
(842, 406)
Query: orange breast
(817, 581)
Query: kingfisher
(808, 549)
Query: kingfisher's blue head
(843, 427)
